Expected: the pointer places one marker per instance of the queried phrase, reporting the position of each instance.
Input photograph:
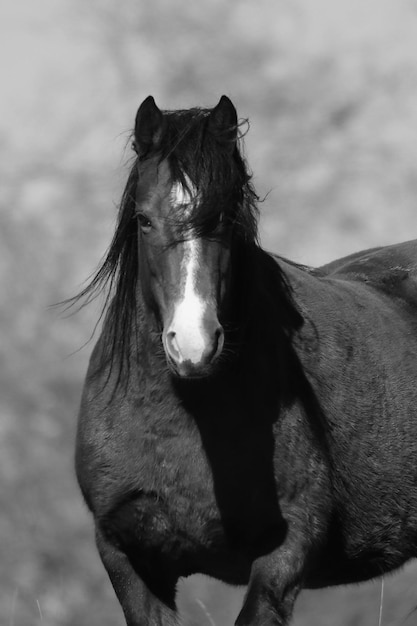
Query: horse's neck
(311, 297)
(339, 318)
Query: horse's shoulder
(392, 269)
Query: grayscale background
(330, 87)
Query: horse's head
(191, 186)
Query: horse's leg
(140, 606)
(274, 584)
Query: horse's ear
(222, 122)
(148, 126)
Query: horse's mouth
(187, 370)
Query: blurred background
(331, 92)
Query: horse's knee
(271, 593)
(263, 607)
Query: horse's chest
(167, 485)
(171, 486)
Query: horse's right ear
(148, 126)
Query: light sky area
(42, 49)
(32, 47)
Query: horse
(243, 416)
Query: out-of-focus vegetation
(331, 92)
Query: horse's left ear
(148, 126)
(222, 122)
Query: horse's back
(391, 269)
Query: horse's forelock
(218, 182)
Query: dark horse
(243, 416)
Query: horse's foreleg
(141, 607)
(274, 584)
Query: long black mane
(222, 181)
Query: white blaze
(187, 321)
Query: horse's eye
(144, 222)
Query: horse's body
(289, 464)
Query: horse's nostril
(172, 345)
(218, 340)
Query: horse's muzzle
(194, 357)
